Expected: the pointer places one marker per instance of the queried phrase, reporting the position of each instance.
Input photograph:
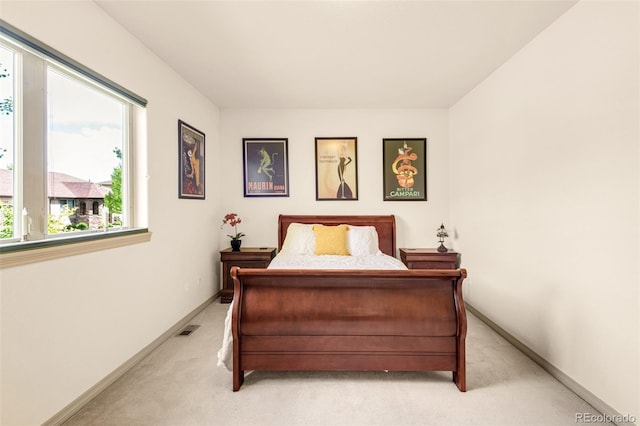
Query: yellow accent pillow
(331, 239)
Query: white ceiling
(335, 54)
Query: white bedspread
(304, 261)
(301, 261)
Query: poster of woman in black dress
(336, 169)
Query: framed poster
(266, 167)
(191, 162)
(404, 163)
(336, 169)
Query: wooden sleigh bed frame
(357, 320)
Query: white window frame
(30, 154)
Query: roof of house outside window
(60, 185)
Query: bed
(346, 318)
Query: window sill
(37, 251)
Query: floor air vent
(188, 330)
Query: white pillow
(300, 239)
(362, 240)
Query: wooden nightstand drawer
(429, 258)
(247, 257)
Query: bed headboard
(385, 226)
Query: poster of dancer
(266, 165)
(191, 162)
(336, 168)
(404, 162)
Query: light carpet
(180, 384)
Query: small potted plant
(232, 219)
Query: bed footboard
(408, 320)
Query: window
(7, 136)
(65, 141)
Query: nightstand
(247, 257)
(429, 258)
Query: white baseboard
(604, 408)
(67, 412)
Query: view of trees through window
(84, 154)
(84, 139)
(6, 142)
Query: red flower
(232, 219)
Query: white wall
(545, 195)
(416, 221)
(543, 187)
(61, 335)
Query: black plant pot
(235, 245)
